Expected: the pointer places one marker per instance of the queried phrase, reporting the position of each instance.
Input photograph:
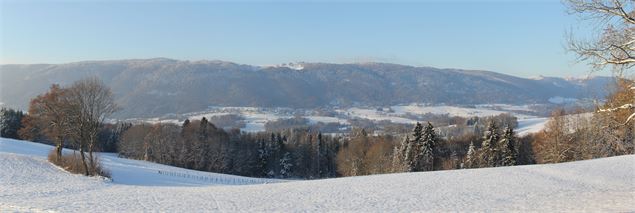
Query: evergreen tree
(507, 148)
(399, 153)
(185, 125)
(417, 132)
(285, 165)
(202, 132)
(471, 158)
(202, 147)
(319, 155)
(273, 155)
(489, 149)
(263, 155)
(412, 149)
(10, 123)
(426, 144)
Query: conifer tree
(427, 144)
(201, 146)
(10, 122)
(489, 149)
(471, 158)
(507, 148)
(273, 155)
(202, 132)
(263, 155)
(399, 153)
(412, 149)
(319, 155)
(185, 125)
(285, 165)
(417, 132)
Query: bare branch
(616, 46)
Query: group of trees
(202, 146)
(10, 122)
(363, 154)
(303, 153)
(610, 130)
(571, 136)
(497, 149)
(298, 122)
(416, 154)
(73, 114)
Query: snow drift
(29, 183)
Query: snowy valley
(254, 119)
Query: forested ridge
(156, 87)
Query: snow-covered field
(29, 183)
(135, 172)
(530, 125)
(480, 110)
(373, 114)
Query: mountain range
(159, 86)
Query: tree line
(200, 145)
(571, 136)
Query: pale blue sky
(524, 38)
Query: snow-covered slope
(135, 172)
(530, 125)
(29, 183)
(537, 124)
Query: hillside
(155, 87)
(29, 183)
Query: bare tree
(90, 101)
(555, 143)
(615, 46)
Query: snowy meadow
(31, 184)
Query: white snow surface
(400, 111)
(534, 125)
(562, 100)
(530, 125)
(373, 114)
(313, 119)
(451, 110)
(136, 172)
(28, 183)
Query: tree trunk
(90, 155)
(81, 153)
(91, 160)
(58, 148)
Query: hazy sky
(521, 38)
